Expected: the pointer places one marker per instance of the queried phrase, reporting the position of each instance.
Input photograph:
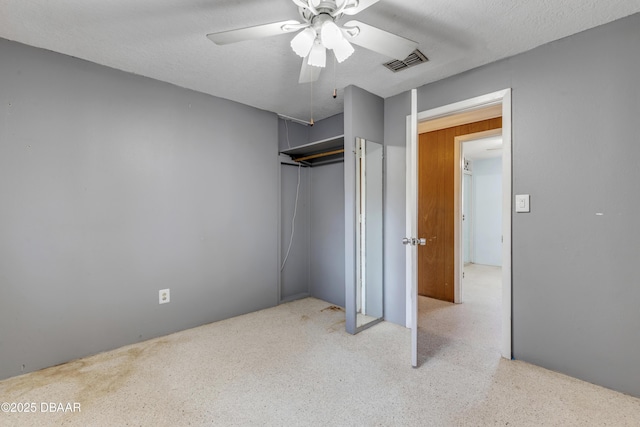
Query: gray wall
(294, 277)
(364, 118)
(327, 128)
(115, 186)
(327, 233)
(487, 211)
(395, 111)
(291, 134)
(575, 149)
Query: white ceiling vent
(415, 58)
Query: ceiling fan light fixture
(330, 34)
(343, 50)
(318, 32)
(318, 55)
(303, 42)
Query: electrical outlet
(164, 296)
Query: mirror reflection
(369, 237)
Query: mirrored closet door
(369, 233)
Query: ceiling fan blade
(378, 40)
(308, 4)
(359, 7)
(252, 33)
(308, 73)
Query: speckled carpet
(294, 365)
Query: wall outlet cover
(164, 296)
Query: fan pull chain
(311, 105)
(335, 81)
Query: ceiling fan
(320, 31)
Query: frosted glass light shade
(318, 56)
(343, 50)
(303, 42)
(330, 34)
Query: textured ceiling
(166, 40)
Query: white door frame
(469, 219)
(502, 97)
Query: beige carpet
(294, 365)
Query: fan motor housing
(325, 8)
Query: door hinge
(358, 151)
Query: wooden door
(436, 171)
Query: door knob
(413, 241)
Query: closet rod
(315, 156)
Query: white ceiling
(166, 40)
(483, 148)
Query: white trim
(466, 105)
(361, 248)
(472, 252)
(458, 256)
(506, 346)
(471, 219)
(359, 233)
(279, 255)
(503, 97)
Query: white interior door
(412, 225)
(502, 97)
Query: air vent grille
(415, 58)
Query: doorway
(440, 167)
(458, 112)
(480, 198)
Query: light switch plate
(522, 203)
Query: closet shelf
(319, 152)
